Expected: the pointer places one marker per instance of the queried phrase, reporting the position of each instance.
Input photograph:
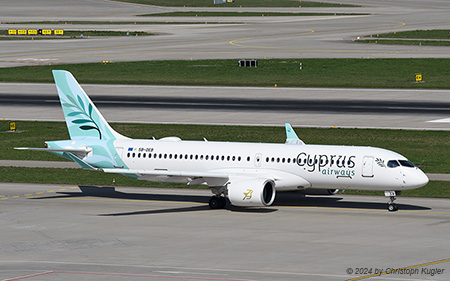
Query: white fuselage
(291, 167)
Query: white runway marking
(445, 120)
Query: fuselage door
(258, 158)
(367, 169)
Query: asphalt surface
(236, 37)
(232, 104)
(59, 232)
(302, 107)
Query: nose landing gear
(392, 207)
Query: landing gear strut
(218, 200)
(392, 207)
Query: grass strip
(412, 37)
(238, 3)
(71, 34)
(114, 22)
(406, 42)
(72, 176)
(418, 34)
(243, 14)
(424, 148)
(364, 73)
(436, 189)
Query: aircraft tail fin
(82, 117)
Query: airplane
(248, 174)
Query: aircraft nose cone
(418, 179)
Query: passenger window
(248, 158)
(128, 155)
(392, 163)
(134, 154)
(143, 155)
(149, 155)
(239, 158)
(175, 156)
(289, 160)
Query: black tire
(214, 202)
(222, 202)
(392, 207)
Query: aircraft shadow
(292, 199)
(111, 193)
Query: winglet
(291, 136)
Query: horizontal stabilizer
(68, 150)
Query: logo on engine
(248, 194)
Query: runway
(303, 107)
(54, 232)
(236, 37)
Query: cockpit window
(406, 163)
(392, 163)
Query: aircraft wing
(210, 178)
(282, 180)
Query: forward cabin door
(367, 169)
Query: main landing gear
(218, 200)
(392, 207)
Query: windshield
(397, 163)
(392, 163)
(406, 163)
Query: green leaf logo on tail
(86, 118)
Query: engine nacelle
(251, 193)
(319, 191)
